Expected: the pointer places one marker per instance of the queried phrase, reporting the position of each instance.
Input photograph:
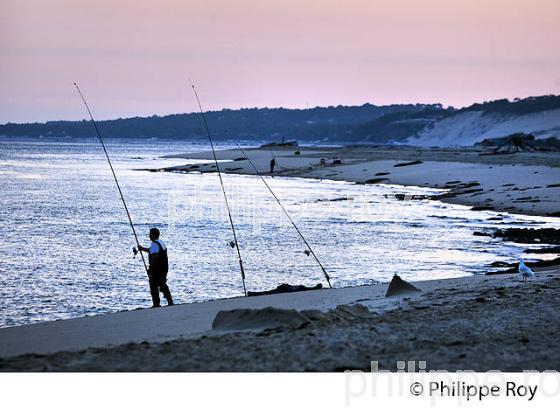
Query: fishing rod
(310, 249)
(236, 244)
(114, 176)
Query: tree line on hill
(345, 124)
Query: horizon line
(448, 107)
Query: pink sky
(135, 57)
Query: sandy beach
(475, 323)
(526, 182)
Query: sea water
(66, 245)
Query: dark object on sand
(375, 180)
(399, 286)
(482, 208)
(529, 235)
(550, 249)
(405, 164)
(293, 143)
(404, 197)
(518, 142)
(286, 288)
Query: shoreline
(523, 183)
(356, 325)
(82, 332)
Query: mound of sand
(271, 318)
(252, 319)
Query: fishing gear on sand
(114, 176)
(235, 242)
(309, 250)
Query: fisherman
(158, 268)
(272, 165)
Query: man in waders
(158, 268)
(272, 165)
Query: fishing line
(287, 214)
(114, 176)
(223, 189)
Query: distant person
(272, 165)
(157, 271)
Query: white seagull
(525, 271)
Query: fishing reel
(232, 244)
(134, 251)
(307, 252)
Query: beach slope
(475, 323)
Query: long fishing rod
(114, 176)
(287, 214)
(223, 189)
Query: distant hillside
(413, 124)
(539, 116)
(330, 123)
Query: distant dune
(467, 128)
